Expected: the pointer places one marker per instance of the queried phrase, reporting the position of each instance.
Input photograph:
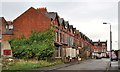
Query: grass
(27, 66)
(30, 65)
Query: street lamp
(110, 41)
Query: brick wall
(6, 37)
(31, 20)
(99, 48)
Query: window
(7, 26)
(95, 50)
(10, 27)
(74, 32)
(56, 52)
(60, 37)
(96, 46)
(103, 46)
(104, 50)
(68, 41)
(65, 25)
(60, 51)
(63, 38)
(56, 36)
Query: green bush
(83, 53)
(40, 45)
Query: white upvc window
(103, 45)
(95, 50)
(10, 26)
(56, 36)
(96, 45)
(104, 50)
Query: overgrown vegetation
(39, 45)
(83, 52)
(21, 64)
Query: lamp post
(110, 41)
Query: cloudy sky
(86, 15)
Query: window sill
(57, 57)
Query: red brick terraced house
(68, 40)
(99, 48)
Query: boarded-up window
(7, 52)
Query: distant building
(99, 48)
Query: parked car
(98, 57)
(103, 57)
(114, 57)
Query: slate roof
(51, 15)
(70, 26)
(80, 33)
(74, 29)
(66, 23)
(77, 31)
(61, 20)
(0, 17)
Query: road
(93, 65)
(98, 65)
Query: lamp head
(104, 23)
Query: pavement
(92, 65)
(0, 64)
(114, 67)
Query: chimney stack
(43, 10)
(98, 40)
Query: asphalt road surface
(96, 65)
